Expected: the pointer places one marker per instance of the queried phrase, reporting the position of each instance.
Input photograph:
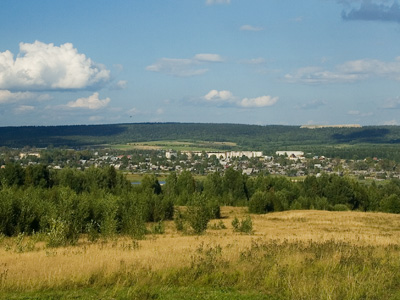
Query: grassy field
(175, 145)
(289, 255)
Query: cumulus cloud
(251, 28)
(184, 67)
(348, 72)
(91, 102)
(10, 97)
(40, 66)
(227, 98)
(373, 11)
(212, 2)
(215, 95)
(262, 101)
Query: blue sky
(210, 61)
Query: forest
(67, 203)
(346, 143)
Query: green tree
(391, 204)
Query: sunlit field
(289, 255)
(175, 145)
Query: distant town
(293, 164)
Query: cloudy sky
(216, 61)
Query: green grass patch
(139, 292)
(176, 146)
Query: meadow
(288, 255)
(175, 145)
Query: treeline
(246, 136)
(69, 202)
(264, 194)
(100, 201)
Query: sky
(263, 62)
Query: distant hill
(246, 136)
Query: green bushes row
(64, 214)
(264, 194)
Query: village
(294, 164)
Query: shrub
(179, 221)
(158, 228)
(92, 230)
(257, 203)
(57, 236)
(214, 209)
(340, 207)
(391, 204)
(198, 214)
(245, 225)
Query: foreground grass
(291, 255)
(141, 293)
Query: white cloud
(8, 97)
(215, 95)
(262, 101)
(91, 102)
(184, 67)
(24, 109)
(41, 66)
(212, 2)
(120, 85)
(348, 72)
(226, 97)
(208, 57)
(250, 28)
(159, 111)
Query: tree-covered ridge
(246, 136)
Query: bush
(179, 221)
(198, 214)
(391, 204)
(57, 236)
(214, 209)
(158, 228)
(258, 203)
(245, 225)
(340, 207)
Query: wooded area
(100, 201)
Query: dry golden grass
(55, 267)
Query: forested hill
(246, 136)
